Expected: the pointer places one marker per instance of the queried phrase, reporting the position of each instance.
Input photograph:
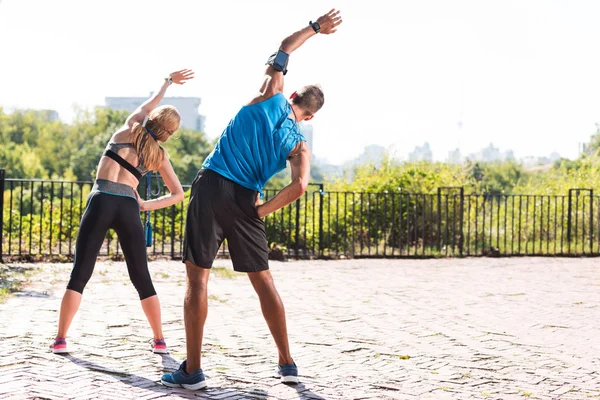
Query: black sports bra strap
(123, 163)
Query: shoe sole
(195, 386)
(60, 351)
(289, 379)
(159, 351)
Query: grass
(404, 357)
(4, 293)
(216, 298)
(13, 279)
(163, 275)
(225, 273)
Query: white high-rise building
(187, 107)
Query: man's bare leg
(273, 311)
(195, 309)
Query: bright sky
(522, 74)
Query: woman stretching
(115, 204)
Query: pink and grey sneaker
(159, 346)
(59, 346)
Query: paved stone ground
(359, 329)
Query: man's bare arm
(273, 79)
(300, 164)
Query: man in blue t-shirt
(225, 201)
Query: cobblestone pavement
(359, 329)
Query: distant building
(187, 107)
(307, 130)
(421, 153)
(491, 154)
(373, 154)
(48, 115)
(455, 157)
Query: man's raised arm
(277, 63)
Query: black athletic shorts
(222, 209)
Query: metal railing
(40, 218)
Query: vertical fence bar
(423, 226)
(385, 221)
(439, 219)
(400, 223)
(40, 243)
(32, 196)
(71, 221)
(376, 230)
(393, 231)
(469, 225)
(2, 236)
(431, 225)
(483, 201)
(512, 226)
(321, 195)
(21, 218)
(454, 224)
(476, 224)
(305, 223)
(562, 225)
(505, 223)
(415, 223)
(353, 225)
(576, 222)
(297, 234)
(10, 212)
(548, 229)
(62, 192)
(555, 221)
(591, 221)
(461, 222)
(51, 212)
(173, 232)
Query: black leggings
(104, 212)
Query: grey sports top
(115, 147)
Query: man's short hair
(310, 98)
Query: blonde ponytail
(157, 127)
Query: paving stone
(359, 329)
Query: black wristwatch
(315, 25)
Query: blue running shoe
(180, 378)
(288, 373)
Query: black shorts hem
(207, 265)
(244, 268)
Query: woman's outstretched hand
(180, 77)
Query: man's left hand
(329, 22)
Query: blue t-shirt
(256, 143)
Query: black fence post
(321, 197)
(439, 219)
(591, 221)
(462, 207)
(297, 238)
(172, 232)
(569, 218)
(2, 176)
